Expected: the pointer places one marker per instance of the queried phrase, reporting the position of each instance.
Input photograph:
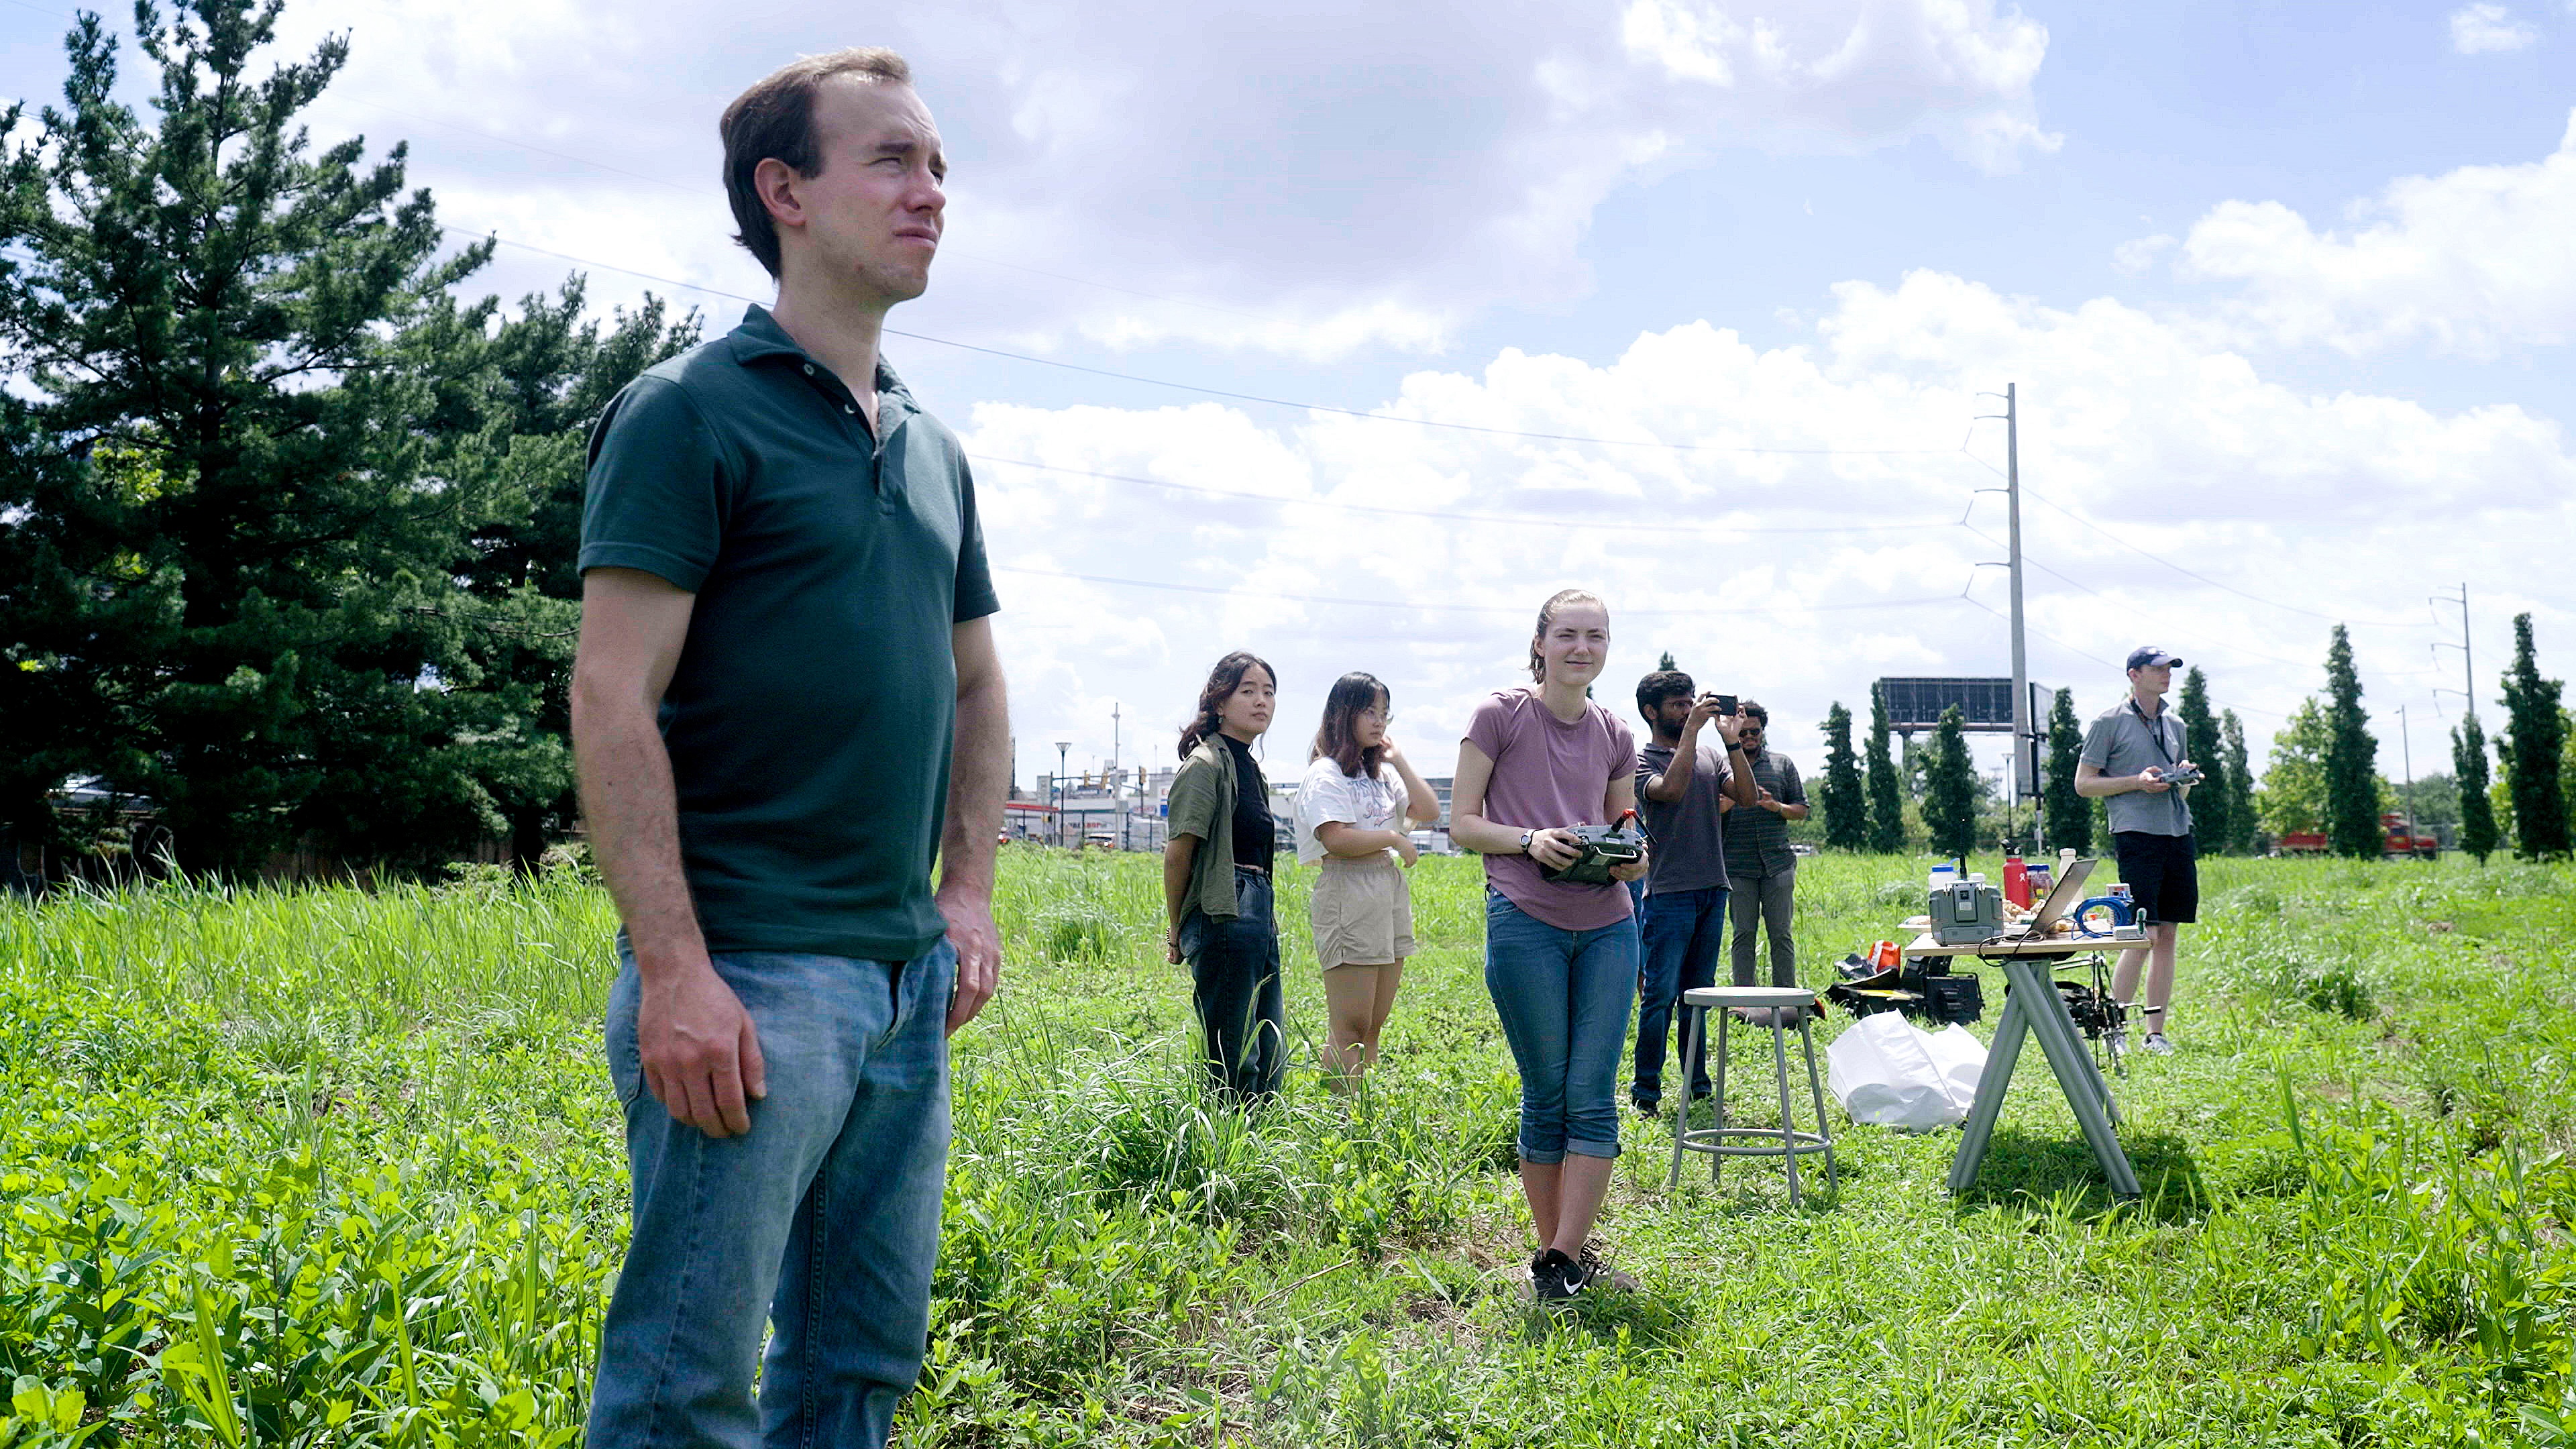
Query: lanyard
(2155, 729)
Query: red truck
(2395, 840)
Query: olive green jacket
(1202, 804)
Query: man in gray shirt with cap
(2128, 753)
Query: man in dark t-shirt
(785, 708)
(1759, 862)
(1683, 786)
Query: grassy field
(339, 1168)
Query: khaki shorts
(1363, 912)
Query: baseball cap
(2145, 655)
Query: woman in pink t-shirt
(1560, 959)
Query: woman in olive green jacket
(1216, 880)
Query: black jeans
(1234, 978)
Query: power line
(1242, 396)
(1511, 609)
(1505, 518)
(2229, 588)
(2051, 638)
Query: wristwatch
(1526, 837)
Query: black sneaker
(1647, 1106)
(1601, 1274)
(1555, 1277)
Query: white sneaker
(2157, 1045)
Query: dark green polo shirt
(811, 714)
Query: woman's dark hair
(1222, 682)
(1338, 738)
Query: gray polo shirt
(2123, 742)
(809, 717)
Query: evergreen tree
(1666, 662)
(1950, 788)
(2352, 775)
(2211, 822)
(2070, 815)
(2469, 765)
(2537, 730)
(231, 519)
(1840, 797)
(1886, 801)
(2240, 787)
(520, 395)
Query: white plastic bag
(1888, 1072)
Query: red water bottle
(2016, 882)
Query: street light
(1060, 747)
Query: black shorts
(2162, 876)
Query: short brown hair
(775, 120)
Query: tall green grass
(332, 1167)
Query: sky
(1348, 336)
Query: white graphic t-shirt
(1327, 795)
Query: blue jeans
(1680, 938)
(823, 1219)
(1563, 998)
(1234, 981)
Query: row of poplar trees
(287, 526)
(1862, 807)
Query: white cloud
(2469, 261)
(2481, 29)
(2142, 254)
(2313, 501)
(1308, 181)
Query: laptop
(2062, 898)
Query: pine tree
(230, 522)
(1666, 662)
(1950, 788)
(1886, 801)
(2351, 773)
(2537, 730)
(2240, 787)
(2210, 800)
(1841, 795)
(520, 395)
(2070, 815)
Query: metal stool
(1785, 1142)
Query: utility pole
(2023, 754)
(2406, 750)
(2468, 665)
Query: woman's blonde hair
(1547, 616)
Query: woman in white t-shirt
(1359, 797)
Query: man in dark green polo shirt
(786, 708)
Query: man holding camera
(1682, 796)
(2133, 759)
(1758, 857)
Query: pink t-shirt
(1548, 773)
